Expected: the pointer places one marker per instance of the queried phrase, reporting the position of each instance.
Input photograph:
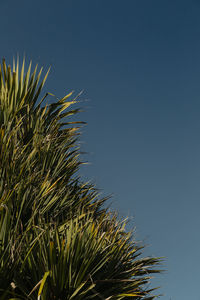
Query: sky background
(138, 62)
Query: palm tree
(57, 239)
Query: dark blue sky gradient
(138, 62)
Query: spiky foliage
(56, 239)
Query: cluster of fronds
(56, 239)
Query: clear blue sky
(138, 62)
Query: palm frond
(57, 239)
